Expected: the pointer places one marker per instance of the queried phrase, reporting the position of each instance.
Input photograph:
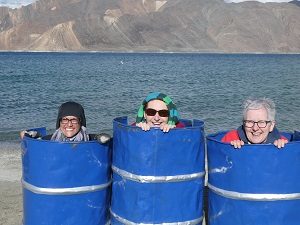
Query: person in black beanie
(70, 125)
(71, 108)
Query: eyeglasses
(152, 112)
(66, 121)
(260, 123)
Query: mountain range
(151, 25)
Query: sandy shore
(11, 209)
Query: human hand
(279, 143)
(103, 138)
(237, 143)
(144, 126)
(31, 134)
(166, 127)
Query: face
(255, 134)
(70, 126)
(156, 120)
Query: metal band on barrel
(64, 191)
(127, 222)
(156, 179)
(253, 197)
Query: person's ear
(272, 125)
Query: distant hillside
(149, 25)
(296, 2)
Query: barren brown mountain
(149, 25)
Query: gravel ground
(11, 209)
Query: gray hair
(259, 103)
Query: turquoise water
(210, 87)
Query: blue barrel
(158, 177)
(65, 183)
(258, 184)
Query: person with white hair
(258, 125)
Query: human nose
(255, 126)
(156, 116)
(70, 123)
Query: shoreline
(155, 52)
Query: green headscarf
(173, 113)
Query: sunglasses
(152, 112)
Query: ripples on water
(210, 87)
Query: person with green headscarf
(158, 110)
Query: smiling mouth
(256, 135)
(156, 124)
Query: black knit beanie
(71, 109)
